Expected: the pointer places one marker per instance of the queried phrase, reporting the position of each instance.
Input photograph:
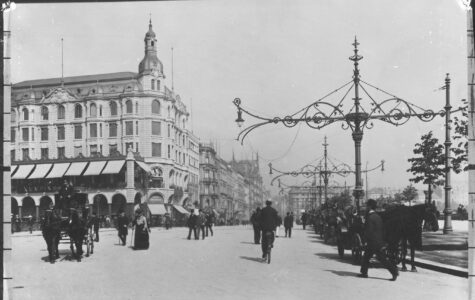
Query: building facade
(227, 188)
(99, 118)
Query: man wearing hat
(375, 243)
(268, 222)
(122, 223)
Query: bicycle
(269, 237)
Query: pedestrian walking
(192, 223)
(288, 224)
(95, 226)
(304, 218)
(210, 219)
(30, 223)
(168, 221)
(122, 223)
(201, 224)
(256, 226)
(141, 231)
(375, 243)
(279, 223)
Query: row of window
(93, 111)
(93, 149)
(93, 132)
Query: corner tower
(151, 67)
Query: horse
(403, 228)
(50, 228)
(77, 230)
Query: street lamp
(319, 114)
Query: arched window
(155, 107)
(169, 111)
(25, 114)
(158, 85)
(44, 113)
(136, 107)
(13, 116)
(113, 108)
(183, 123)
(100, 110)
(129, 106)
(93, 110)
(78, 111)
(61, 112)
(153, 84)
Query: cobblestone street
(225, 266)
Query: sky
(277, 57)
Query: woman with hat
(142, 230)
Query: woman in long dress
(142, 230)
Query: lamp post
(310, 170)
(320, 114)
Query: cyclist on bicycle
(268, 222)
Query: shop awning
(76, 169)
(113, 166)
(144, 166)
(40, 171)
(58, 170)
(181, 209)
(157, 209)
(13, 169)
(23, 171)
(94, 168)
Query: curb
(435, 266)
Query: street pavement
(225, 266)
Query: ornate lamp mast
(319, 114)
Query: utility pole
(471, 147)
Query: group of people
(265, 223)
(200, 221)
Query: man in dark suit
(192, 224)
(122, 223)
(268, 221)
(256, 226)
(95, 226)
(288, 224)
(375, 243)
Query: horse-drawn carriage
(68, 222)
(402, 229)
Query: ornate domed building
(120, 139)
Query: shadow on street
(255, 259)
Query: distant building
(231, 188)
(80, 129)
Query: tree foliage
(460, 136)
(409, 193)
(428, 166)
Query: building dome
(150, 34)
(150, 63)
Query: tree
(429, 165)
(460, 135)
(409, 193)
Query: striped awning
(157, 209)
(23, 171)
(40, 171)
(113, 166)
(181, 209)
(76, 169)
(94, 168)
(58, 170)
(144, 166)
(13, 169)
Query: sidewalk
(446, 253)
